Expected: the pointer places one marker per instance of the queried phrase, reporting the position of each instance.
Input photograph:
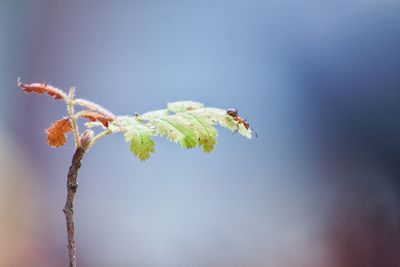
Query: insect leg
(237, 129)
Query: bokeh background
(318, 80)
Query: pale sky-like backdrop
(318, 81)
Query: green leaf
(139, 136)
(142, 145)
(186, 122)
(154, 114)
(182, 106)
(222, 118)
(177, 129)
(205, 128)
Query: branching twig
(72, 116)
(93, 106)
(72, 186)
(97, 137)
(186, 122)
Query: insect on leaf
(188, 123)
(220, 116)
(56, 133)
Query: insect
(235, 116)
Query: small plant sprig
(185, 122)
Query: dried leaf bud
(86, 138)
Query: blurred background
(318, 80)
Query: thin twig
(98, 136)
(72, 116)
(72, 186)
(93, 106)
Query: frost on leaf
(56, 134)
(42, 88)
(141, 143)
(96, 116)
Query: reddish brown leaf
(56, 134)
(96, 116)
(42, 88)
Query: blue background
(319, 81)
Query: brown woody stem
(72, 186)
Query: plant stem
(72, 186)
(97, 137)
(72, 116)
(93, 106)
